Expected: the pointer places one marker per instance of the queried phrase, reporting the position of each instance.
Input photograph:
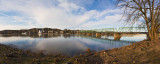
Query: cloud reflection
(70, 46)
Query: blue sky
(70, 14)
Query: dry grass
(144, 52)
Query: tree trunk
(151, 36)
(156, 36)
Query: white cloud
(108, 21)
(54, 14)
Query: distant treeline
(40, 31)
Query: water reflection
(58, 43)
(129, 37)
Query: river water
(68, 44)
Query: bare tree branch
(149, 10)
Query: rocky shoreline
(144, 52)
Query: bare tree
(148, 10)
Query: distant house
(56, 31)
(61, 32)
(40, 32)
(25, 32)
(46, 30)
(74, 31)
(34, 31)
(50, 31)
(66, 31)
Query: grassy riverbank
(144, 52)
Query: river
(68, 44)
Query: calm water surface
(68, 45)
